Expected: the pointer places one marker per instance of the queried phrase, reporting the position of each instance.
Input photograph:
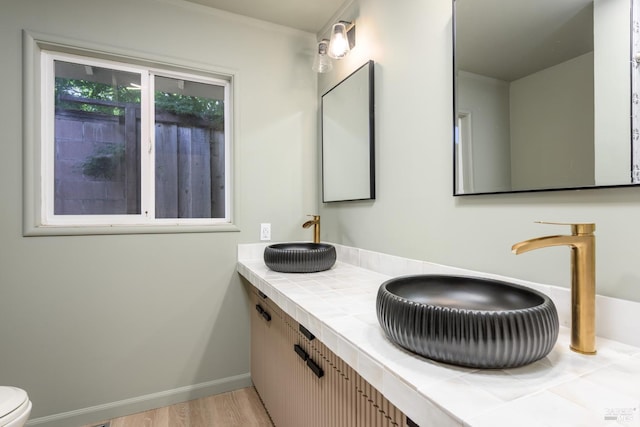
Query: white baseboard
(142, 403)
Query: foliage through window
(124, 144)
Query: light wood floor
(236, 408)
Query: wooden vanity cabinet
(302, 383)
(267, 342)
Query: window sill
(30, 231)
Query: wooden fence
(189, 157)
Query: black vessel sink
(468, 321)
(300, 257)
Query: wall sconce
(343, 39)
(322, 63)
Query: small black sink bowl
(300, 257)
(468, 321)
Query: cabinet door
(299, 394)
(374, 410)
(267, 366)
(319, 394)
(272, 359)
(345, 399)
(335, 393)
(258, 331)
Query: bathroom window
(128, 145)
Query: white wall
(91, 320)
(415, 214)
(552, 126)
(486, 100)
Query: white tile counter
(563, 389)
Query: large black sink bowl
(300, 257)
(468, 321)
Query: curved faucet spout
(583, 280)
(316, 227)
(543, 242)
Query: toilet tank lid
(10, 399)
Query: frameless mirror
(542, 95)
(348, 138)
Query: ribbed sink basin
(468, 321)
(300, 257)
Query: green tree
(75, 94)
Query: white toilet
(15, 407)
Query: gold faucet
(583, 280)
(316, 227)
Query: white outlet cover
(265, 231)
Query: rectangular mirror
(348, 138)
(542, 95)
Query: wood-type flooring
(239, 408)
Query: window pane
(97, 137)
(189, 147)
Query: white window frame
(39, 217)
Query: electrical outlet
(265, 231)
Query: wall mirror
(542, 95)
(348, 138)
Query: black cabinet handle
(263, 313)
(303, 354)
(315, 368)
(306, 333)
(310, 363)
(411, 423)
(262, 295)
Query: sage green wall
(552, 126)
(415, 214)
(90, 320)
(486, 100)
(612, 89)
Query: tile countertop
(562, 389)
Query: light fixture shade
(339, 44)
(322, 63)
